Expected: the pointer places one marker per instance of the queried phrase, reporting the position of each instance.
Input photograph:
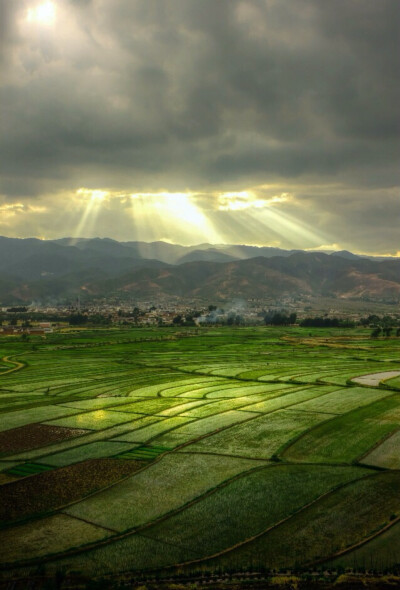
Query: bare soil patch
(373, 379)
(50, 490)
(33, 436)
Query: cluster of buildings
(169, 311)
(12, 330)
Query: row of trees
(386, 331)
(319, 322)
(382, 326)
(280, 318)
(380, 321)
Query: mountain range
(46, 271)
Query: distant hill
(37, 270)
(300, 273)
(345, 254)
(209, 255)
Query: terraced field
(130, 450)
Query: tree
(373, 320)
(98, 318)
(136, 313)
(77, 319)
(238, 319)
(278, 318)
(189, 320)
(376, 332)
(387, 330)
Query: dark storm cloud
(193, 94)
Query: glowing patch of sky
(245, 200)
(165, 215)
(261, 215)
(43, 13)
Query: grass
(142, 435)
(211, 408)
(328, 526)
(266, 497)
(143, 453)
(112, 433)
(344, 400)
(99, 403)
(394, 382)
(204, 426)
(51, 489)
(289, 399)
(95, 450)
(386, 454)
(275, 399)
(54, 534)
(378, 554)
(26, 469)
(150, 406)
(95, 420)
(262, 437)
(136, 552)
(33, 415)
(163, 487)
(347, 437)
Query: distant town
(169, 312)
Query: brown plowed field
(33, 436)
(50, 490)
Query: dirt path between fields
(17, 365)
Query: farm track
(18, 365)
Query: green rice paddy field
(166, 450)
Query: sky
(266, 122)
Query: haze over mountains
(53, 271)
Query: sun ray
(289, 227)
(261, 213)
(93, 200)
(171, 214)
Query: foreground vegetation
(215, 449)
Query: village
(37, 319)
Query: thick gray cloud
(202, 95)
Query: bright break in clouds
(271, 122)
